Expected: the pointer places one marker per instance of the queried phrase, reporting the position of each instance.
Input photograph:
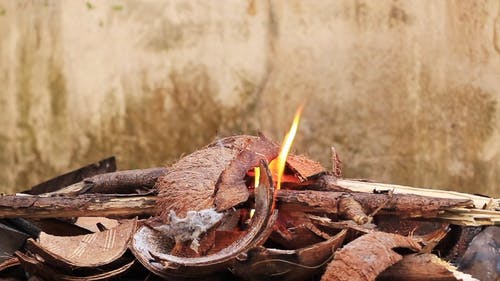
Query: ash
(191, 227)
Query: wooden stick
(404, 205)
(124, 181)
(121, 182)
(307, 200)
(364, 186)
(312, 201)
(486, 211)
(89, 205)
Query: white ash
(191, 227)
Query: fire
(252, 212)
(277, 166)
(256, 172)
(256, 178)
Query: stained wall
(407, 91)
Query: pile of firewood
(217, 214)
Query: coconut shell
(277, 264)
(152, 249)
(231, 188)
(366, 257)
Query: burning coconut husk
(243, 205)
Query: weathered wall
(407, 91)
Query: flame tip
(278, 167)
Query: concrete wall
(407, 91)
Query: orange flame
(256, 182)
(277, 166)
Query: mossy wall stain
(170, 120)
(407, 91)
(39, 97)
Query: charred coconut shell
(153, 250)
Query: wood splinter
(352, 210)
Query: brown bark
(303, 167)
(336, 163)
(97, 205)
(419, 267)
(351, 209)
(123, 181)
(366, 257)
(404, 205)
